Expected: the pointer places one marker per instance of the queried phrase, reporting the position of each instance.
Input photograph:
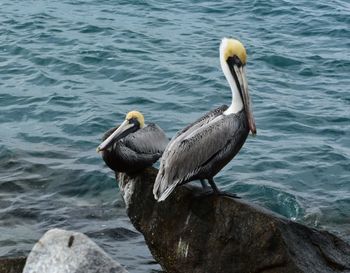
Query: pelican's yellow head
(230, 47)
(135, 115)
(233, 58)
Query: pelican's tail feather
(156, 186)
(166, 193)
(162, 188)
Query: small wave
(118, 234)
(43, 80)
(94, 29)
(281, 61)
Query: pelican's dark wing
(187, 154)
(150, 139)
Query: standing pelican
(204, 147)
(132, 146)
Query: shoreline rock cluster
(194, 232)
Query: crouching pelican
(204, 147)
(132, 146)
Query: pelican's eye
(134, 121)
(234, 61)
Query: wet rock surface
(191, 232)
(60, 251)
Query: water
(72, 69)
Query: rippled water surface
(69, 70)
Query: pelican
(132, 146)
(203, 148)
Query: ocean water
(70, 70)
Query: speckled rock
(191, 232)
(60, 251)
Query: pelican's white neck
(237, 103)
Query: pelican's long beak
(125, 126)
(241, 76)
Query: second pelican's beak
(120, 132)
(243, 86)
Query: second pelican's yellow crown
(136, 115)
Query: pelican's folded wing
(148, 140)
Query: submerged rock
(12, 265)
(60, 251)
(191, 232)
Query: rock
(191, 232)
(12, 265)
(60, 251)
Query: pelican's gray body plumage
(201, 150)
(135, 151)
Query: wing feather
(202, 120)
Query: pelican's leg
(218, 192)
(213, 185)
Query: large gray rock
(60, 251)
(190, 232)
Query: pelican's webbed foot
(221, 193)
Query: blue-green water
(71, 69)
